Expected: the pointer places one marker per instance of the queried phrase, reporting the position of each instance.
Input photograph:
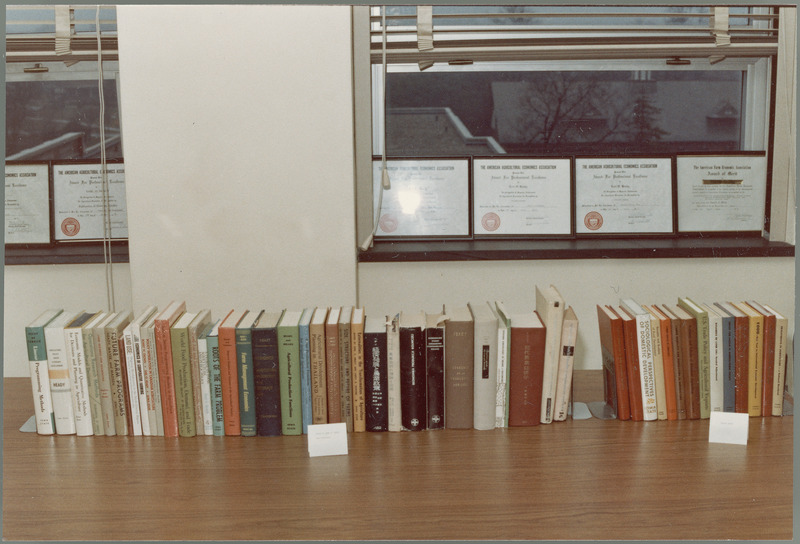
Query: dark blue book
(728, 359)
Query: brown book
(632, 364)
(332, 367)
(319, 393)
(345, 367)
(357, 374)
(690, 371)
(768, 366)
(615, 371)
(228, 368)
(526, 370)
(665, 328)
(166, 378)
(755, 357)
(458, 368)
(677, 361)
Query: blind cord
(109, 268)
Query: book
(484, 405)
(664, 324)
(658, 365)
(703, 353)
(90, 364)
(228, 369)
(459, 368)
(413, 388)
(129, 376)
(394, 405)
(215, 379)
(58, 373)
(688, 360)
(136, 375)
(741, 335)
(755, 357)
(633, 370)
(266, 375)
(205, 379)
(677, 361)
(40, 376)
(781, 360)
(345, 367)
(103, 372)
(716, 365)
(434, 369)
(550, 307)
(182, 374)
(319, 392)
(332, 369)
(728, 346)
(304, 336)
(244, 364)
(289, 373)
(615, 368)
(528, 341)
(155, 411)
(76, 358)
(195, 328)
(503, 354)
(357, 370)
(768, 359)
(644, 345)
(566, 360)
(376, 380)
(166, 380)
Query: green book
(703, 353)
(244, 363)
(40, 380)
(182, 372)
(215, 381)
(289, 373)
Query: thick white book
(115, 354)
(133, 388)
(716, 359)
(79, 382)
(95, 404)
(194, 329)
(139, 375)
(205, 380)
(658, 364)
(503, 363)
(485, 366)
(40, 377)
(58, 370)
(550, 307)
(646, 364)
(395, 407)
(566, 362)
(103, 372)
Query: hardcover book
(664, 324)
(155, 411)
(550, 307)
(703, 353)
(434, 365)
(728, 347)
(195, 328)
(781, 359)
(104, 374)
(741, 335)
(615, 368)
(678, 364)
(76, 357)
(395, 408)
(528, 341)
(40, 377)
(412, 371)
(644, 344)
(357, 370)
(658, 365)
(503, 369)
(768, 366)
(267, 375)
(459, 368)
(345, 367)
(182, 373)
(289, 373)
(304, 336)
(631, 337)
(566, 359)
(376, 379)
(319, 391)
(93, 384)
(689, 361)
(166, 380)
(244, 361)
(333, 376)
(205, 380)
(215, 379)
(58, 371)
(485, 366)
(716, 365)
(228, 368)
(755, 358)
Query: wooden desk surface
(573, 480)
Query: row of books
(261, 373)
(686, 360)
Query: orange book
(526, 369)
(166, 379)
(768, 366)
(755, 357)
(615, 371)
(665, 326)
(690, 371)
(675, 351)
(632, 364)
(228, 369)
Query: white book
(503, 363)
(40, 377)
(646, 364)
(566, 361)
(147, 333)
(658, 364)
(79, 383)
(205, 380)
(133, 388)
(95, 403)
(716, 359)
(550, 307)
(115, 355)
(485, 366)
(138, 364)
(58, 370)
(395, 408)
(781, 357)
(197, 325)
(104, 374)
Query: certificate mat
(623, 195)
(427, 198)
(27, 204)
(721, 193)
(522, 197)
(78, 201)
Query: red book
(677, 361)
(166, 378)
(632, 364)
(689, 359)
(526, 370)
(228, 369)
(768, 368)
(615, 371)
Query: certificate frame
(42, 207)
(522, 197)
(621, 211)
(437, 203)
(722, 169)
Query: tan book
(459, 368)
(357, 373)
(319, 394)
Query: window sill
(601, 248)
(72, 253)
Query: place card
(327, 439)
(728, 428)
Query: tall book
(357, 370)
(215, 379)
(136, 374)
(664, 324)
(528, 341)
(658, 365)
(550, 307)
(615, 367)
(166, 380)
(434, 369)
(90, 362)
(58, 371)
(566, 361)
(394, 408)
(205, 380)
(688, 360)
(459, 368)
(484, 405)
(703, 353)
(503, 369)
(228, 367)
(155, 411)
(376, 376)
(781, 360)
(244, 363)
(768, 365)
(103, 371)
(266, 374)
(129, 376)
(728, 346)
(632, 363)
(677, 365)
(195, 328)
(644, 344)
(79, 385)
(182, 373)
(716, 363)
(755, 357)
(40, 376)
(332, 369)
(304, 334)
(412, 371)
(289, 372)
(345, 367)
(319, 390)
(741, 335)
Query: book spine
(658, 370)
(501, 413)
(132, 393)
(104, 382)
(141, 382)
(230, 381)
(741, 371)
(375, 383)
(768, 367)
(704, 365)
(565, 367)
(319, 393)
(647, 373)
(345, 376)
(459, 375)
(333, 383)
(485, 376)
(756, 360)
(215, 382)
(93, 383)
(40, 381)
(60, 388)
(434, 363)
(289, 373)
(197, 387)
(166, 378)
(266, 381)
(668, 360)
(244, 360)
(527, 370)
(181, 369)
(153, 384)
(781, 334)
(205, 385)
(357, 378)
(729, 364)
(394, 395)
(715, 365)
(412, 379)
(304, 336)
(79, 383)
(634, 371)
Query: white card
(728, 428)
(327, 439)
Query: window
(54, 105)
(568, 81)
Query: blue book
(305, 365)
(215, 381)
(244, 363)
(728, 359)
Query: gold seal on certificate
(521, 197)
(623, 195)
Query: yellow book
(755, 358)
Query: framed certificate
(722, 193)
(27, 203)
(522, 197)
(623, 196)
(78, 201)
(427, 198)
